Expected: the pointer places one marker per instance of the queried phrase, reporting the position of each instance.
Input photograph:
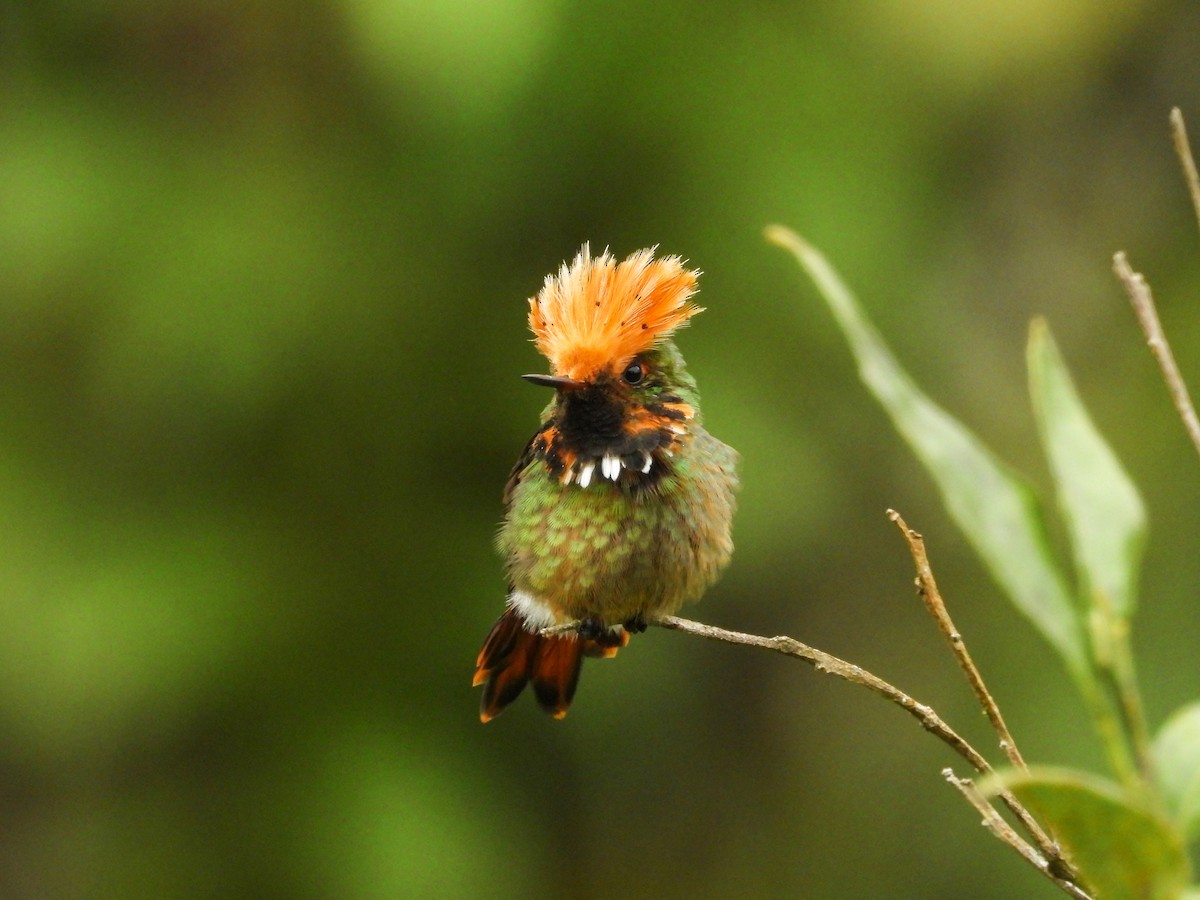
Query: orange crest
(597, 314)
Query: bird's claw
(592, 629)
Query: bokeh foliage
(1121, 839)
(262, 281)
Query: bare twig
(1053, 860)
(927, 588)
(1143, 305)
(931, 596)
(1119, 669)
(826, 663)
(1179, 133)
(560, 629)
(994, 823)
(1049, 860)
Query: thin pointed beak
(557, 382)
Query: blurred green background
(263, 271)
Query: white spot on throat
(611, 467)
(585, 474)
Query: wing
(535, 449)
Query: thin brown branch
(932, 598)
(994, 823)
(826, 663)
(560, 629)
(930, 720)
(1049, 860)
(1143, 306)
(1179, 133)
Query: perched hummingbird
(619, 509)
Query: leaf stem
(1114, 737)
(1119, 673)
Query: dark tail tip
(513, 657)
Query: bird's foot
(637, 624)
(592, 629)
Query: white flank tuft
(533, 612)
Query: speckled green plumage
(619, 508)
(611, 551)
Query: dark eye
(633, 374)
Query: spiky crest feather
(596, 314)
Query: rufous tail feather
(513, 656)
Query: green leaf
(994, 507)
(1176, 752)
(1121, 848)
(1100, 506)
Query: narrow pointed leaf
(1177, 764)
(996, 510)
(1122, 849)
(1101, 508)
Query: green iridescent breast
(613, 549)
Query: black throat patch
(590, 422)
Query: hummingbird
(619, 509)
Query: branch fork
(1039, 849)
